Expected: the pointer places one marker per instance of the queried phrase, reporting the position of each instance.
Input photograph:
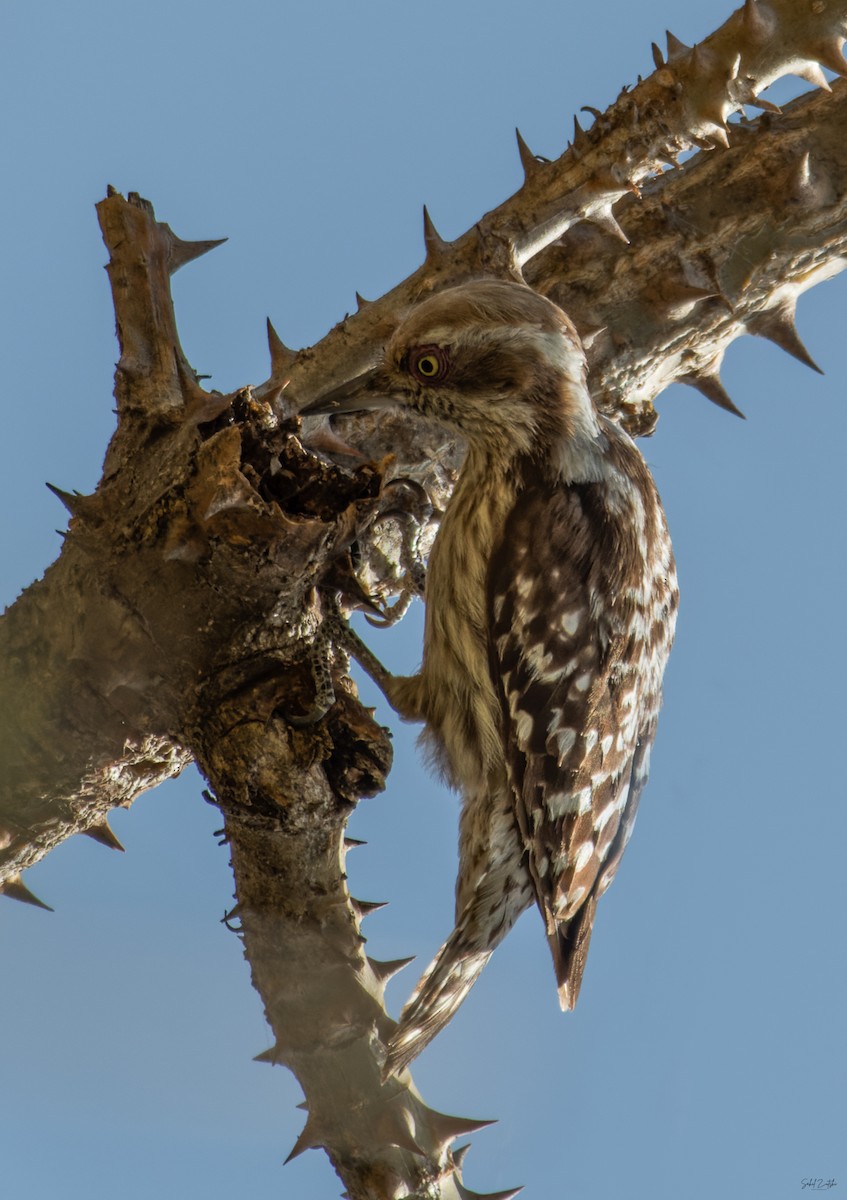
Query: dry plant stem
(322, 994)
(685, 103)
(178, 619)
(720, 249)
(715, 248)
(207, 535)
(175, 571)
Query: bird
(550, 608)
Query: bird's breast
(457, 696)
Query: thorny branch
(220, 500)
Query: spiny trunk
(179, 620)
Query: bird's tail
(440, 991)
(569, 943)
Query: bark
(180, 621)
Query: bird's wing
(576, 747)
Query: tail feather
(440, 991)
(569, 946)
(489, 901)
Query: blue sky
(707, 1056)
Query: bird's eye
(429, 363)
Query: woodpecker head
(493, 360)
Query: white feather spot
(539, 660)
(583, 800)
(523, 586)
(583, 855)
(565, 742)
(606, 815)
(560, 804)
(571, 621)
(523, 726)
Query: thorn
(459, 1156)
(306, 1141)
(829, 55)
(325, 438)
(804, 188)
(764, 105)
(446, 1129)
(779, 327)
(466, 1194)
(364, 908)
(352, 843)
(812, 73)
(529, 162)
(15, 888)
(708, 384)
(658, 57)
(676, 48)
(753, 20)
(434, 242)
(720, 134)
(595, 112)
(361, 302)
(180, 252)
(700, 58)
(580, 137)
(605, 220)
(282, 358)
(303, 1105)
(397, 1125)
(73, 501)
(104, 834)
(384, 970)
(588, 334)
(272, 1055)
(802, 176)
(228, 917)
(202, 405)
(678, 298)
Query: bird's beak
(367, 391)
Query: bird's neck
(567, 445)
